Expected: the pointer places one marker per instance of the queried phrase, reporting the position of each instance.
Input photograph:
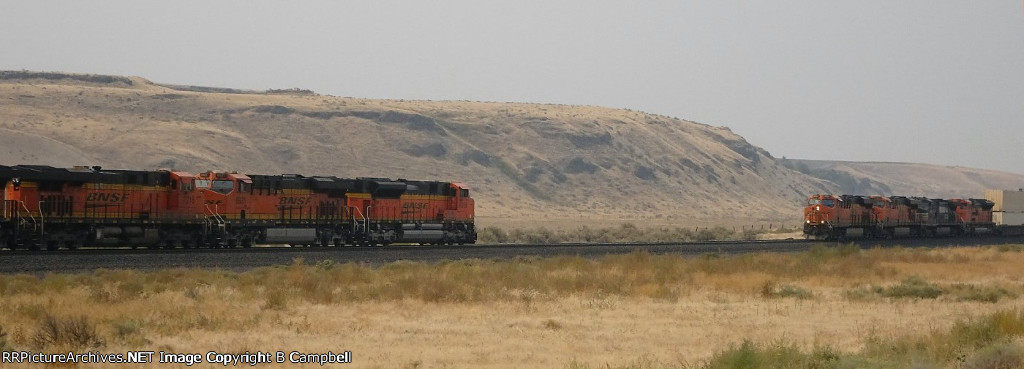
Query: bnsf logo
(414, 206)
(300, 201)
(107, 197)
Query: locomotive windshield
(223, 187)
(827, 202)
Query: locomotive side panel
(56, 207)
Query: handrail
(29, 212)
(42, 219)
(367, 226)
(215, 215)
(358, 211)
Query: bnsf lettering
(414, 206)
(300, 201)
(107, 197)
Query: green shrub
(775, 355)
(4, 345)
(913, 287)
(129, 332)
(1010, 248)
(492, 235)
(1007, 355)
(992, 341)
(771, 289)
(863, 293)
(66, 333)
(125, 328)
(964, 339)
(968, 292)
(277, 299)
(984, 331)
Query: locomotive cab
(819, 209)
(462, 215)
(183, 196)
(893, 216)
(830, 216)
(223, 194)
(974, 215)
(461, 206)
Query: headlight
(823, 222)
(808, 221)
(817, 208)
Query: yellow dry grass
(513, 314)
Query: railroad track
(71, 261)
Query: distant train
(832, 217)
(52, 208)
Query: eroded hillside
(910, 179)
(525, 161)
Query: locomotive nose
(814, 215)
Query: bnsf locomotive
(836, 217)
(46, 207)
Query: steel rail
(240, 259)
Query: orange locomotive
(55, 207)
(825, 214)
(836, 217)
(294, 209)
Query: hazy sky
(911, 80)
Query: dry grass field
(825, 308)
(593, 232)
